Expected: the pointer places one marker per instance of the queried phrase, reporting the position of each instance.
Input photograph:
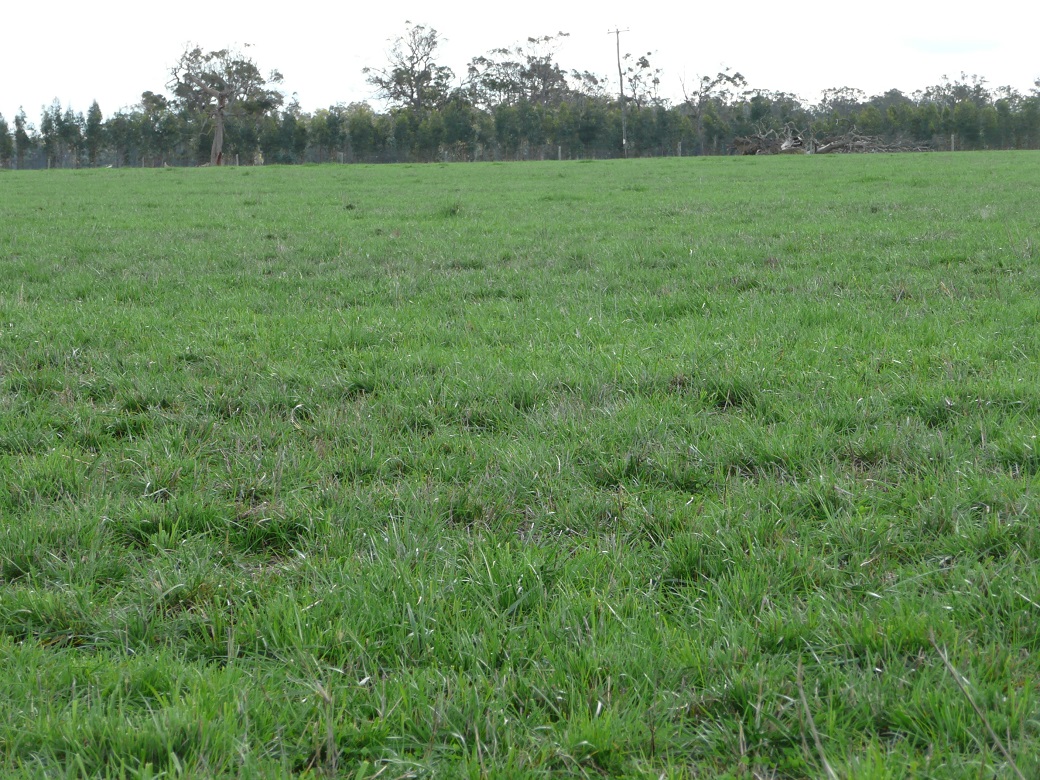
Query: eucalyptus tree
(525, 73)
(219, 85)
(838, 108)
(707, 104)
(643, 80)
(412, 78)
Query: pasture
(720, 467)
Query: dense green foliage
(513, 104)
(622, 468)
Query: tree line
(513, 103)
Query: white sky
(113, 50)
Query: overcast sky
(113, 50)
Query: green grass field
(717, 467)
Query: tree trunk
(216, 153)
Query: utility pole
(621, 82)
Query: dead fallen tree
(767, 142)
(791, 142)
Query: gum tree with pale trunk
(223, 83)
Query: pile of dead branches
(770, 142)
(855, 142)
(789, 141)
